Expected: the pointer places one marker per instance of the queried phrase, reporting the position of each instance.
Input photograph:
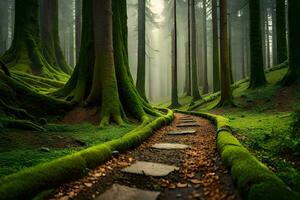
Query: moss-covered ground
(23, 149)
(262, 121)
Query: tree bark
(257, 74)
(216, 56)
(188, 53)
(25, 53)
(205, 78)
(281, 31)
(226, 93)
(50, 38)
(3, 25)
(102, 77)
(141, 63)
(195, 90)
(293, 73)
(78, 25)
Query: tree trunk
(25, 53)
(3, 25)
(188, 54)
(216, 58)
(293, 73)
(257, 74)
(195, 89)
(102, 77)
(141, 63)
(78, 25)
(268, 53)
(50, 38)
(281, 31)
(205, 79)
(230, 48)
(226, 93)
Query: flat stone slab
(187, 124)
(150, 169)
(187, 121)
(169, 146)
(120, 192)
(182, 132)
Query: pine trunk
(281, 31)
(141, 63)
(293, 73)
(257, 74)
(205, 78)
(216, 58)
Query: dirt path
(201, 174)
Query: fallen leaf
(182, 185)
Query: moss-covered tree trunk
(102, 77)
(293, 73)
(281, 50)
(141, 62)
(195, 90)
(257, 74)
(226, 93)
(50, 38)
(25, 53)
(216, 58)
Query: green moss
(30, 182)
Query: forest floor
(201, 174)
(262, 121)
(23, 149)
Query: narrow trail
(200, 173)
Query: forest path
(200, 173)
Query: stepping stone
(187, 121)
(150, 169)
(120, 192)
(187, 124)
(182, 132)
(169, 146)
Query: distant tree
(49, 35)
(226, 93)
(281, 31)
(78, 25)
(25, 52)
(188, 52)
(216, 57)
(141, 63)
(195, 90)
(257, 74)
(101, 77)
(205, 75)
(293, 73)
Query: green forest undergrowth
(262, 121)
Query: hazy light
(157, 6)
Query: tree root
(5, 69)
(21, 124)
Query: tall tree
(257, 74)
(174, 100)
(195, 90)
(141, 63)
(50, 38)
(293, 73)
(101, 77)
(281, 50)
(216, 58)
(78, 25)
(188, 53)
(226, 93)
(3, 25)
(25, 52)
(205, 75)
